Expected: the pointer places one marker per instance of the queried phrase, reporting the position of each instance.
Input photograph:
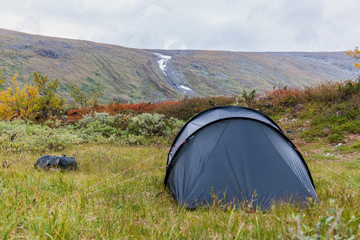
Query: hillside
(146, 75)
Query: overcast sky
(235, 25)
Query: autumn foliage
(285, 97)
(188, 107)
(19, 103)
(30, 102)
(40, 101)
(269, 102)
(354, 54)
(115, 108)
(182, 109)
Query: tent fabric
(214, 114)
(238, 155)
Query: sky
(233, 25)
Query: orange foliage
(288, 97)
(355, 54)
(182, 109)
(188, 107)
(115, 108)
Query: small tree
(248, 97)
(16, 103)
(354, 54)
(95, 94)
(78, 95)
(49, 103)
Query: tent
(239, 156)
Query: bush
(118, 108)
(19, 136)
(101, 127)
(189, 107)
(19, 104)
(286, 97)
(149, 126)
(330, 92)
(335, 138)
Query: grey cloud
(237, 25)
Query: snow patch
(186, 88)
(162, 62)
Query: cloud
(246, 25)
(154, 10)
(105, 6)
(169, 43)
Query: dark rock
(301, 129)
(63, 162)
(289, 131)
(47, 53)
(21, 46)
(327, 129)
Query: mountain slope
(122, 72)
(145, 75)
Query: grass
(37, 204)
(92, 204)
(352, 148)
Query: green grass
(38, 204)
(91, 204)
(351, 148)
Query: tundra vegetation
(118, 191)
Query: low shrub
(126, 129)
(149, 125)
(189, 107)
(18, 136)
(335, 137)
(330, 92)
(93, 127)
(285, 97)
(118, 108)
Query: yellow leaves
(2, 80)
(354, 54)
(19, 103)
(30, 102)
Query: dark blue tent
(239, 155)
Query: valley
(138, 75)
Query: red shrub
(115, 108)
(188, 107)
(288, 97)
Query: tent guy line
(127, 180)
(121, 172)
(344, 177)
